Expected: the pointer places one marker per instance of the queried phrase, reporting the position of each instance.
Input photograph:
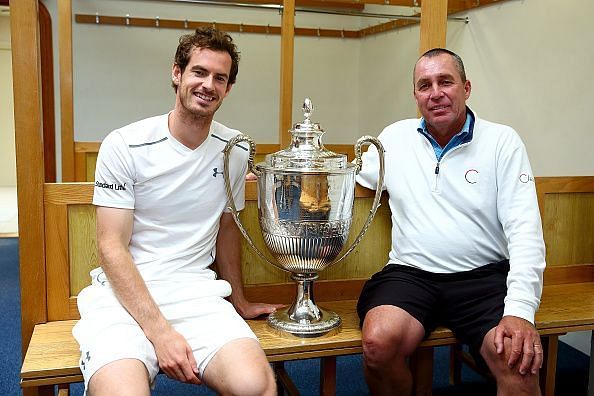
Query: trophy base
(328, 324)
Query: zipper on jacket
(435, 185)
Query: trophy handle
(230, 200)
(378, 190)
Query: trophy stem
(304, 318)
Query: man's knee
(253, 380)
(389, 340)
(240, 368)
(120, 377)
(509, 380)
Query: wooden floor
(8, 212)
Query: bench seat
(52, 356)
(53, 353)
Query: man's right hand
(175, 356)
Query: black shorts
(469, 303)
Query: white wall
(7, 147)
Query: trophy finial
(307, 108)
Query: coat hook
(267, 28)
(241, 28)
(318, 32)
(97, 18)
(342, 33)
(127, 19)
(157, 20)
(214, 25)
(185, 23)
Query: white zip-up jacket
(476, 206)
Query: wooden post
(66, 101)
(434, 18)
(26, 61)
(286, 73)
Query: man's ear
(228, 89)
(175, 74)
(467, 89)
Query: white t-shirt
(177, 194)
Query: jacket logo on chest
(472, 176)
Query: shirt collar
(465, 134)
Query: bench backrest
(566, 204)
(71, 251)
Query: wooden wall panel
(434, 24)
(57, 259)
(286, 72)
(66, 89)
(90, 161)
(568, 227)
(82, 245)
(26, 60)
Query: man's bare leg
(125, 377)
(390, 336)
(240, 368)
(509, 380)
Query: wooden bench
(567, 208)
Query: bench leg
(283, 381)
(328, 376)
(549, 365)
(591, 372)
(421, 366)
(63, 390)
(455, 364)
(47, 390)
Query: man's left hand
(525, 343)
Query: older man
(467, 248)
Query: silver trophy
(305, 201)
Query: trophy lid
(306, 151)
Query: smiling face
(441, 95)
(204, 83)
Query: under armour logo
(87, 357)
(215, 172)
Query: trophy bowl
(305, 201)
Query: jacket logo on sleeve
(215, 172)
(525, 178)
(111, 186)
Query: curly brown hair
(211, 38)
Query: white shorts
(106, 332)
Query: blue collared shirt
(464, 136)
